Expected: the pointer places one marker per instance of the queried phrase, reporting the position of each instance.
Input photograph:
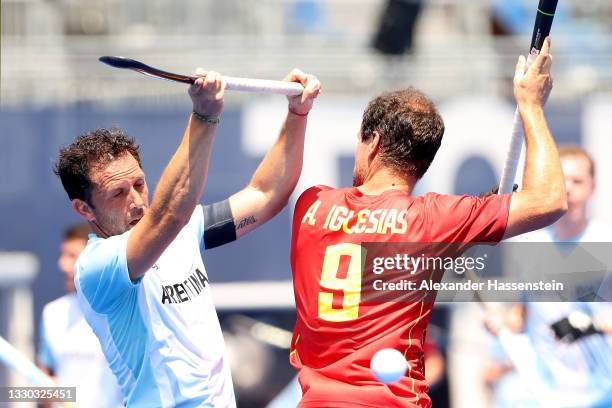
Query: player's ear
(83, 209)
(373, 145)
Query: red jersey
(337, 332)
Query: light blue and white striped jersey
(579, 373)
(160, 335)
(69, 348)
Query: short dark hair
(410, 130)
(89, 150)
(77, 231)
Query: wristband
(213, 120)
(298, 114)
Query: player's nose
(137, 204)
(136, 198)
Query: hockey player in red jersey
(338, 328)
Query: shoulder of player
(312, 193)
(431, 195)
(451, 199)
(308, 198)
(314, 190)
(96, 244)
(57, 306)
(430, 199)
(100, 252)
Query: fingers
(214, 84)
(312, 88)
(197, 85)
(547, 64)
(199, 72)
(519, 70)
(296, 75)
(208, 82)
(543, 61)
(207, 92)
(533, 86)
(546, 46)
(311, 84)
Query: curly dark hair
(89, 150)
(410, 130)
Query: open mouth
(134, 222)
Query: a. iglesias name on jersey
(378, 221)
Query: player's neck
(97, 229)
(383, 180)
(572, 224)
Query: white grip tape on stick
(513, 155)
(263, 85)
(20, 363)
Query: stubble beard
(111, 225)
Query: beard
(111, 225)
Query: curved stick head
(128, 63)
(120, 62)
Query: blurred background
(460, 53)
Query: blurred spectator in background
(395, 34)
(574, 360)
(68, 350)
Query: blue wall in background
(34, 209)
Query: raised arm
(542, 199)
(182, 182)
(278, 173)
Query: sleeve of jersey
(102, 274)
(45, 356)
(303, 203)
(467, 219)
(196, 224)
